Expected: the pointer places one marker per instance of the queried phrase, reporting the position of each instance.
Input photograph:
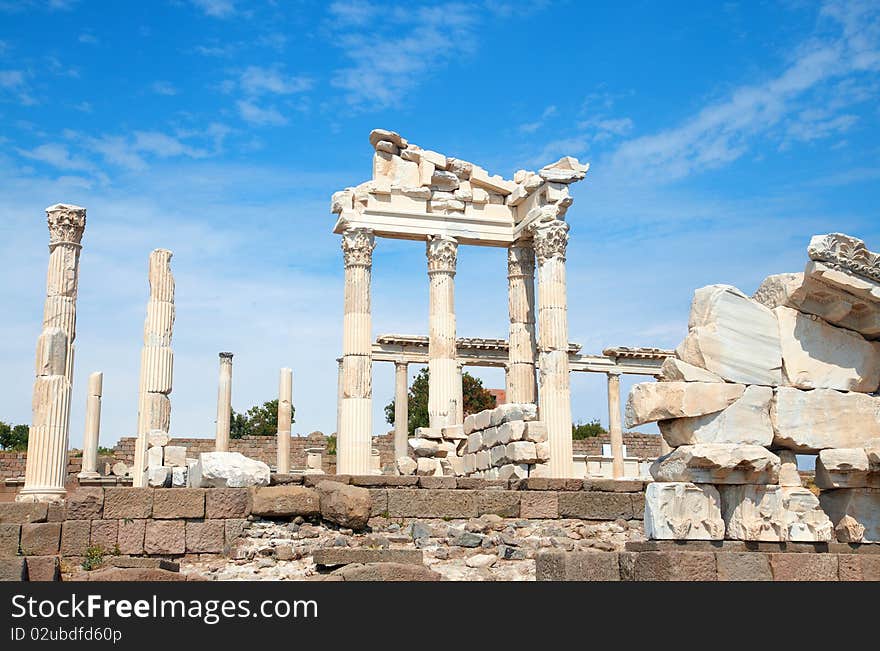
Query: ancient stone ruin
(795, 369)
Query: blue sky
(721, 136)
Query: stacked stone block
(506, 442)
(794, 369)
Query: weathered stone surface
(43, 568)
(10, 535)
(595, 506)
(816, 355)
(746, 421)
(773, 514)
(121, 503)
(285, 501)
(104, 535)
(428, 466)
(130, 536)
(804, 567)
(668, 566)
(676, 370)
(861, 504)
(809, 421)
(743, 566)
(788, 471)
(165, 537)
(13, 569)
(539, 505)
(849, 530)
(129, 574)
(858, 567)
(683, 511)
(423, 447)
(205, 537)
(336, 556)
(179, 503)
(577, 566)
(85, 503)
(653, 401)
(40, 538)
(75, 537)
(718, 463)
(406, 466)
(227, 503)
(347, 506)
(228, 470)
(457, 503)
(733, 336)
(846, 468)
(503, 503)
(387, 572)
(21, 512)
(159, 477)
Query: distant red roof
(500, 396)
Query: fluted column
(157, 361)
(442, 252)
(521, 386)
(554, 389)
(459, 387)
(614, 427)
(93, 427)
(401, 409)
(46, 469)
(354, 441)
(224, 403)
(285, 415)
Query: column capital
(551, 239)
(357, 247)
(614, 373)
(442, 252)
(520, 260)
(401, 363)
(226, 357)
(66, 224)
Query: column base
(44, 494)
(88, 475)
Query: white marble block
(683, 511)
(809, 421)
(653, 401)
(860, 504)
(746, 421)
(773, 514)
(718, 463)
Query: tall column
(459, 387)
(285, 415)
(554, 392)
(93, 427)
(157, 361)
(354, 441)
(442, 251)
(338, 393)
(224, 403)
(521, 387)
(46, 469)
(401, 409)
(614, 428)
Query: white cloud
(531, 127)
(163, 88)
(216, 8)
(88, 37)
(256, 80)
(14, 82)
(57, 155)
(260, 116)
(352, 12)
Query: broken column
(521, 385)
(224, 403)
(401, 409)
(614, 429)
(92, 432)
(46, 468)
(285, 416)
(354, 442)
(157, 361)
(554, 389)
(443, 395)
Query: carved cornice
(442, 252)
(520, 261)
(846, 254)
(66, 224)
(357, 247)
(551, 239)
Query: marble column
(46, 469)
(442, 252)
(224, 403)
(521, 385)
(157, 361)
(614, 428)
(285, 415)
(459, 387)
(338, 393)
(354, 441)
(93, 428)
(554, 389)
(401, 409)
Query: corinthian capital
(66, 223)
(520, 260)
(357, 247)
(551, 239)
(442, 251)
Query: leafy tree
(476, 398)
(587, 430)
(259, 420)
(13, 437)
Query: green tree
(259, 420)
(13, 437)
(476, 398)
(587, 430)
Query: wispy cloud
(260, 116)
(261, 80)
(163, 88)
(57, 155)
(14, 83)
(216, 8)
(88, 38)
(531, 127)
